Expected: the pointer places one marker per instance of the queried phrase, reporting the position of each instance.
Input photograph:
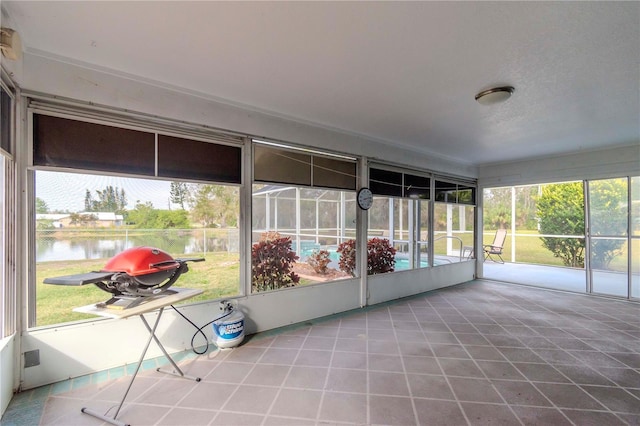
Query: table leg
(152, 336)
(177, 371)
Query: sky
(66, 191)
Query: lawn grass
(529, 248)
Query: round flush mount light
(494, 95)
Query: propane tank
(229, 329)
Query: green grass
(218, 276)
(529, 248)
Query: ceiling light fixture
(494, 95)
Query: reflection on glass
(609, 277)
(608, 207)
(635, 267)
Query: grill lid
(139, 261)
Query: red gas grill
(132, 276)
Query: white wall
(383, 288)
(618, 161)
(7, 369)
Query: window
(404, 225)
(635, 236)
(454, 221)
(4, 287)
(401, 215)
(8, 284)
(453, 232)
(592, 235)
(303, 218)
(80, 225)
(6, 108)
(130, 188)
(301, 167)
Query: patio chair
(495, 248)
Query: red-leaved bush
(271, 263)
(380, 256)
(319, 261)
(347, 261)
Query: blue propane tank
(229, 329)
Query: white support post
(449, 229)
(267, 217)
(513, 223)
(343, 214)
(317, 221)
(298, 247)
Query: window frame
(125, 121)
(299, 184)
(8, 240)
(417, 203)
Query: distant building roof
(51, 216)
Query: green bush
(560, 210)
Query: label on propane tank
(231, 330)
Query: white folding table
(159, 302)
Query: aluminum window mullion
(587, 237)
(629, 239)
(155, 156)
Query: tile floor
(478, 353)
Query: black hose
(199, 329)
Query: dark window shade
(189, 159)
(281, 166)
(334, 173)
(446, 192)
(416, 186)
(385, 182)
(5, 120)
(62, 142)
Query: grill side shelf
(79, 279)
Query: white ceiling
(400, 72)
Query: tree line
(205, 205)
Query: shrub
(560, 209)
(319, 260)
(347, 260)
(380, 256)
(271, 263)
